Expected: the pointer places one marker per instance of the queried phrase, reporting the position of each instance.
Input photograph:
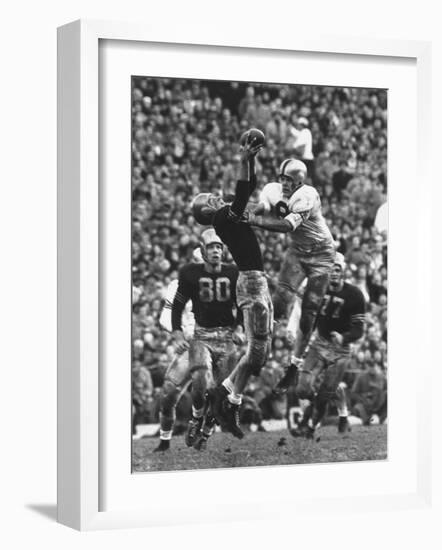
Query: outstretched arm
(284, 225)
(256, 208)
(270, 223)
(246, 180)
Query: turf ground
(261, 449)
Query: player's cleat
(164, 445)
(289, 379)
(231, 419)
(343, 425)
(309, 432)
(217, 397)
(193, 430)
(201, 442)
(296, 432)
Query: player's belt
(252, 276)
(322, 342)
(318, 246)
(213, 333)
(253, 273)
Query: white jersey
(303, 138)
(381, 221)
(188, 320)
(305, 214)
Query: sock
(343, 411)
(295, 360)
(228, 384)
(208, 430)
(319, 411)
(209, 425)
(197, 413)
(234, 398)
(166, 435)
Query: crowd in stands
(185, 141)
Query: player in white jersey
(178, 375)
(291, 206)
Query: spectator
(302, 142)
(185, 137)
(369, 394)
(340, 179)
(142, 395)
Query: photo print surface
(259, 274)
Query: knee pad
(260, 321)
(311, 302)
(309, 310)
(257, 355)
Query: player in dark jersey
(340, 322)
(253, 296)
(211, 286)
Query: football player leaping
(253, 296)
(291, 206)
(211, 287)
(340, 322)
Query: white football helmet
(208, 237)
(292, 172)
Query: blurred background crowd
(185, 140)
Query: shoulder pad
(189, 268)
(356, 293)
(303, 199)
(271, 191)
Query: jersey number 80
(211, 290)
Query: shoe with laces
(193, 430)
(289, 379)
(216, 397)
(231, 418)
(201, 442)
(343, 425)
(164, 445)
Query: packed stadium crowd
(185, 141)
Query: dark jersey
(239, 237)
(213, 295)
(342, 311)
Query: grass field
(261, 449)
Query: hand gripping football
(254, 137)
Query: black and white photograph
(259, 274)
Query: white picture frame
(79, 268)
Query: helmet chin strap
(296, 186)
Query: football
(254, 136)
